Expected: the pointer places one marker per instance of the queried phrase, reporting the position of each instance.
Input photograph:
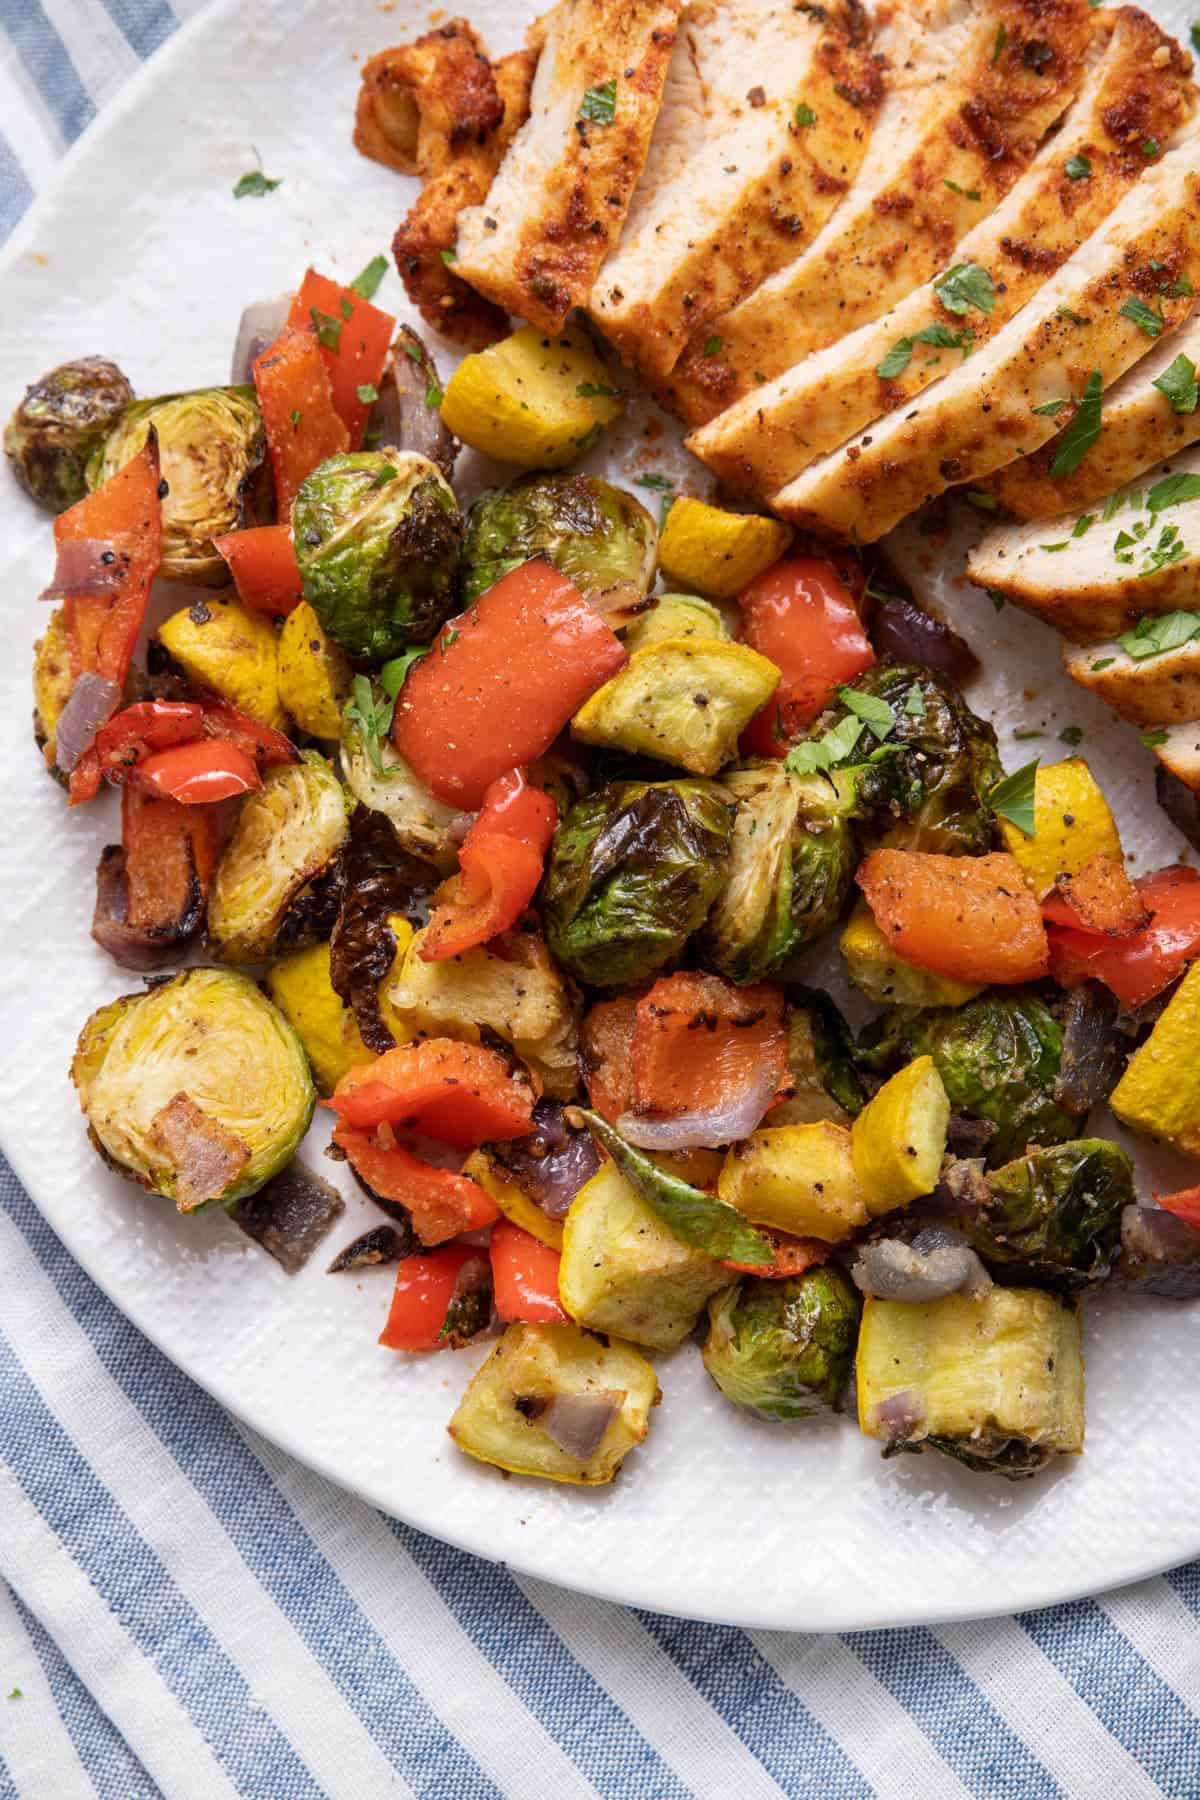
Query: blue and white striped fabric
(186, 1612)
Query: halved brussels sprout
(1053, 1217)
(825, 1083)
(596, 533)
(421, 822)
(377, 536)
(198, 1088)
(212, 452)
(784, 1349)
(268, 893)
(632, 871)
(63, 419)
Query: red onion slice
(553, 1163)
(86, 568)
(259, 326)
(703, 1129)
(577, 1422)
(405, 419)
(92, 703)
(900, 1417)
(937, 1262)
(906, 632)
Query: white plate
(140, 252)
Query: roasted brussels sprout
(1053, 1218)
(63, 419)
(791, 862)
(784, 1349)
(631, 873)
(377, 536)
(198, 1088)
(596, 533)
(212, 451)
(388, 786)
(825, 1082)
(998, 1056)
(275, 886)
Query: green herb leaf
(1106, 662)
(1064, 312)
(998, 46)
(712, 346)
(966, 285)
(836, 746)
(15, 1694)
(697, 1218)
(805, 115)
(366, 282)
(372, 716)
(1178, 383)
(433, 394)
(914, 702)
(346, 308)
(997, 599)
(1077, 168)
(945, 339)
(1155, 636)
(1173, 490)
(1154, 739)
(985, 502)
(967, 193)
(329, 329)
(1183, 289)
(1051, 409)
(394, 674)
(594, 390)
(1026, 732)
(661, 483)
(1194, 34)
(297, 415)
(1072, 735)
(1083, 525)
(444, 642)
(1083, 430)
(1143, 316)
(1150, 147)
(1013, 797)
(449, 257)
(1063, 544)
(896, 360)
(254, 184)
(366, 393)
(599, 104)
(875, 713)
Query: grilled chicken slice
(1073, 334)
(1141, 430)
(1092, 582)
(1137, 88)
(1180, 754)
(736, 181)
(558, 202)
(972, 88)
(1148, 691)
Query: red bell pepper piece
(421, 1315)
(198, 773)
(441, 1203)
(524, 1276)
(1185, 1205)
(263, 564)
(354, 339)
(500, 865)
(170, 855)
(699, 1042)
(302, 426)
(262, 743)
(461, 1094)
(149, 725)
(504, 679)
(125, 514)
(1141, 964)
(799, 614)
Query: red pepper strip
(792, 1256)
(170, 855)
(699, 1043)
(1185, 1205)
(354, 337)
(425, 1288)
(500, 865)
(461, 1094)
(441, 1203)
(524, 1276)
(800, 615)
(149, 725)
(222, 719)
(199, 773)
(1141, 965)
(302, 427)
(83, 783)
(125, 513)
(264, 567)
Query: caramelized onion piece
(577, 1422)
(290, 1215)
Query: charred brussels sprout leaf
(631, 874)
(821, 1051)
(377, 536)
(1053, 1218)
(62, 421)
(597, 534)
(381, 881)
(998, 1057)
(784, 1349)
(212, 452)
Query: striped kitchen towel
(184, 1611)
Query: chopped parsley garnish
(1029, 731)
(329, 329)
(914, 702)
(964, 286)
(997, 598)
(1013, 797)
(394, 674)
(1173, 490)
(346, 308)
(1106, 662)
(873, 712)
(1178, 383)
(599, 104)
(1155, 636)
(1112, 507)
(1064, 545)
(1143, 316)
(659, 482)
(1183, 289)
(1150, 147)
(998, 46)
(836, 746)
(449, 257)
(588, 441)
(433, 395)
(366, 393)
(14, 1694)
(1170, 548)
(445, 641)
(1194, 34)
(254, 184)
(985, 502)
(1077, 168)
(712, 346)
(1050, 409)
(805, 115)
(297, 415)
(1064, 312)
(1083, 525)
(967, 193)
(941, 336)
(372, 715)
(1083, 430)
(366, 282)
(594, 390)
(1154, 740)
(1072, 735)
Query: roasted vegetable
(378, 776)
(824, 1080)
(693, 1215)
(675, 616)
(972, 918)
(716, 551)
(797, 1178)
(784, 1349)
(553, 1400)
(52, 681)
(996, 1383)
(534, 1180)
(384, 896)
(299, 985)
(222, 645)
(1159, 1093)
(1053, 1217)
(681, 700)
(212, 453)
(632, 871)
(152, 887)
(198, 1088)
(290, 1215)
(62, 421)
(998, 1057)
(1160, 1254)
(1072, 824)
(276, 882)
(623, 1270)
(532, 400)
(596, 534)
(881, 975)
(377, 536)
(899, 1137)
(313, 674)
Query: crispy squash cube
(876, 970)
(797, 1178)
(1159, 1093)
(299, 985)
(532, 399)
(675, 616)
(314, 674)
(224, 646)
(718, 552)
(681, 700)
(899, 1137)
(511, 1198)
(1072, 824)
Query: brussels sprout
(63, 419)
(791, 863)
(275, 886)
(596, 533)
(212, 452)
(998, 1057)
(377, 537)
(421, 822)
(1053, 1218)
(825, 1082)
(198, 1088)
(784, 1349)
(631, 873)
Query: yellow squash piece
(1159, 1093)
(623, 1271)
(675, 616)
(224, 646)
(682, 701)
(299, 985)
(501, 1419)
(532, 400)
(1072, 824)
(52, 679)
(797, 1178)
(718, 552)
(504, 1188)
(314, 674)
(899, 1137)
(874, 968)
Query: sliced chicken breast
(1180, 754)
(559, 198)
(1081, 331)
(972, 88)
(764, 122)
(1137, 87)
(1094, 576)
(1148, 691)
